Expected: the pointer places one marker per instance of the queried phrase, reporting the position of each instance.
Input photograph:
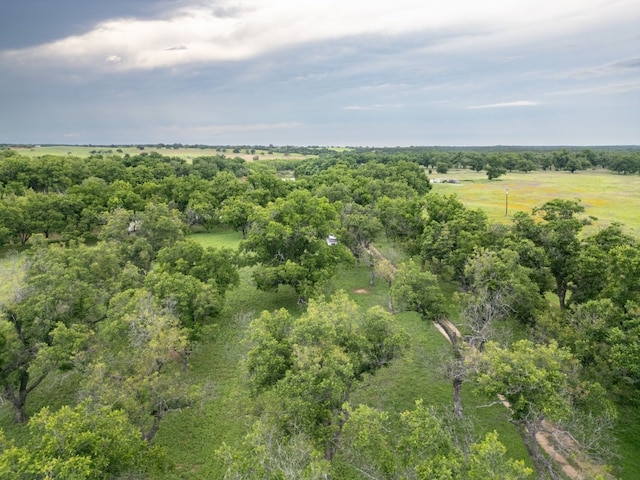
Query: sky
(320, 72)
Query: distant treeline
(623, 160)
(66, 195)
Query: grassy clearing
(193, 435)
(608, 196)
(219, 238)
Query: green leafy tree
(84, 443)
(359, 227)
(86, 204)
(217, 266)
(308, 367)
(499, 286)
(419, 444)
(140, 362)
(123, 195)
(201, 210)
(21, 216)
(194, 302)
(476, 162)
(237, 212)
(64, 293)
(623, 273)
(288, 242)
(604, 338)
(141, 235)
(265, 187)
(597, 260)
(558, 236)
(418, 291)
(496, 167)
(451, 234)
(403, 220)
(540, 384)
(267, 452)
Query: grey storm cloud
(331, 72)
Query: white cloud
(607, 89)
(228, 31)
(376, 106)
(620, 67)
(519, 103)
(220, 129)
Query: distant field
(610, 197)
(186, 153)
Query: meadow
(193, 436)
(186, 153)
(608, 196)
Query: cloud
(376, 106)
(220, 129)
(113, 59)
(519, 103)
(619, 67)
(607, 89)
(223, 31)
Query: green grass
(628, 434)
(11, 273)
(219, 238)
(192, 436)
(608, 196)
(185, 152)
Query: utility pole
(506, 202)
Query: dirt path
(545, 439)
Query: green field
(182, 152)
(608, 196)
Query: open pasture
(608, 196)
(187, 153)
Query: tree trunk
(457, 397)
(19, 399)
(562, 295)
(544, 466)
(153, 430)
(20, 406)
(331, 445)
(458, 372)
